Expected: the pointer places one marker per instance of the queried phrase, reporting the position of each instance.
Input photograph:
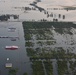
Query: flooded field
(50, 47)
(46, 41)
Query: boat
(11, 47)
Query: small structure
(8, 65)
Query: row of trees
(7, 16)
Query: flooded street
(18, 58)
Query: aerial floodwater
(37, 37)
(18, 58)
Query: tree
(25, 73)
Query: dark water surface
(18, 58)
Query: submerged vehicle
(11, 29)
(8, 65)
(11, 47)
(13, 39)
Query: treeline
(32, 25)
(39, 8)
(70, 8)
(7, 16)
(4, 17)
(28, 8)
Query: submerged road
(17, 57)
